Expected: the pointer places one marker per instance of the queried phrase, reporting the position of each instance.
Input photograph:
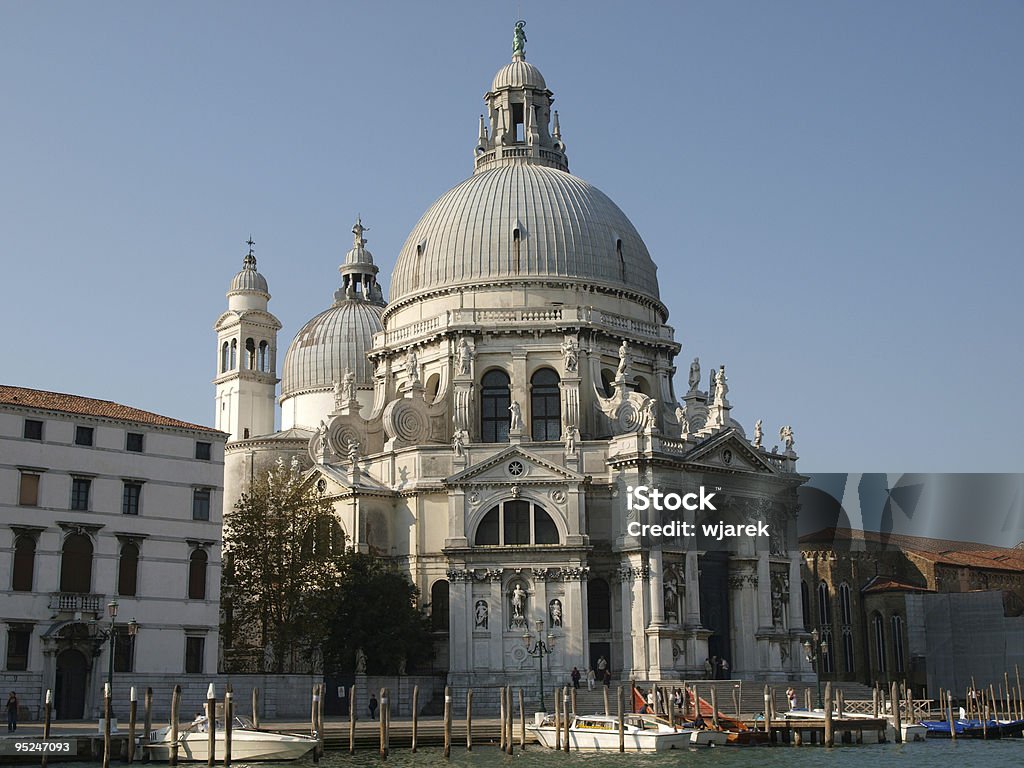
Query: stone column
(459, 636)
(692, 601)
(626, 616)
(657, 594)
(796, 603)
(496, 622)
(764, 592)
(521, 390)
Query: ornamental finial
(519, 41)
(358, 230)
(249, 262)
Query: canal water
(1007, 753)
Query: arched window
(495, 400)
(197, 575)
(897, 642)
(233, 360)
(844, 604)
(599, 605)
(805, 602)
(263, 361)
(323, 538)
(848, 658)
(76, 564)
(225, 358)
(516, 522)
(128, 570)
(824, 607)
(878, 629)
(607, 382)
(545, 406)
(642, 385)
(24, 564)
(439, 606)
(515, 250)
(432, 388)
(250, 354)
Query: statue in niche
(518, 596)
(694, 374)
(516, 421)
(555, 612)
(481, 614)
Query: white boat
(247, 742)
(591, 733)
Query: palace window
(495, 400)
(203, 451)
(197, 574)
(80, 493)
(878, 628)
(128, 570)
(130, 497)
(897, 642)
(133, 442)
(28, 493)
(194, 652)
(24, 564)
(545, 406)
(845, 607)
(848, 657)
(124, 650)
(516, 522)
(76, 564)
(33, 429)
(84, 435)
(18, 638)
(225, 358)
(201, 504)
(263, 361)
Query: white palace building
(482, 425)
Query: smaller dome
(519, 73)
(249, 279)
(334, 341)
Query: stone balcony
(76, 602)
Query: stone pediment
(256, 316)
(728, 451)
(514, 466)
(338, 481)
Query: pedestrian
(607, 678)
(575, 676)
(725, 669)
(707, 669)
(373, 707)
(715, 667)
(590, 679)
(12, 712)
(791, 697)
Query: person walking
(725, 669)
(590, 679)
(12, 712)
(708, 670)
(372, 706)
(791, 697)
(575, 676)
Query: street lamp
(111, 635)
(814, 652)
(539, 649)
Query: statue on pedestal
(694, 374)
(624, 360)
(516, 420)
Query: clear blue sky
(832, 191)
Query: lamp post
(814, 650)
(111, 636)
(539, 649)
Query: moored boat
(592, 733)
(247, 743)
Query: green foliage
(297, 600)
(375, 609)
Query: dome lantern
(519, 112)
(249, 288)
(358, 272)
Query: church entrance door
(72, 670)
(714, 602)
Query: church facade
(484, 426)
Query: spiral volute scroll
(406, 422)
(628, 418)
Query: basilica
(480, 417)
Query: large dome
(330, 343)
(562, 227)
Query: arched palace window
(516, 522)
(545, 406)
(495, 400)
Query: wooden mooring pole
(895, 705)
(256, 707)
(622, 732)
(510, 720)
(211, 726)
(352, 721)
(501, 719)
(106, 725)
(952, 728)
(767, 710)
(47, 711)
(415, 714)
(567, 719)
(607, 710)
(175, 704)
(314, 731)
(447, 722)
(133, 706)
(558, 722)
(522, 720)
(381, 746)
(469, 720)
(829, 735)
(229, 724)
(147, 718)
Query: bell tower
(246, 377)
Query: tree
(374, 608)
(282, 546)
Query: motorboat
(247, 742)
(593, 733)
(974, 729)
